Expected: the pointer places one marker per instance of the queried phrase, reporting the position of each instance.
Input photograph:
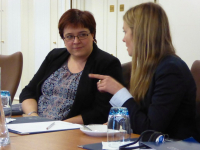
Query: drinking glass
(7, 106)
(118, 127)
(4, 134)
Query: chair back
(195, 70)
(11, 70)
(126, 72)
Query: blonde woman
(162, 91)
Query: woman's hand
(107, 83)
(105, 123)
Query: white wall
(184, 18)
(42, 30)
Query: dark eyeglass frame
(79, 36)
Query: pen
(51, 125)
(23, 133)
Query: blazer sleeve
(167, 92)
(99, 111)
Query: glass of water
(118, 127)
(7, 106)
(4, 134)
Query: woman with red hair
(61, 88)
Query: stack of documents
(41, 127)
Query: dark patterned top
(58, 94)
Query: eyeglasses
(80, 36)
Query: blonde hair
(152, 42)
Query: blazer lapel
(84, 85)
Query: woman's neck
(75, 64)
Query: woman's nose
(76, 39)
(123, 40)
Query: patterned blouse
(58, 93)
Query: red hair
(77, 18)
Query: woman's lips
(77, 47)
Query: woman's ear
(92, 35)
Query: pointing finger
(97, 76)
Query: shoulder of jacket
(57, 52)
(170, 61)
(104, 56)
(172, 64)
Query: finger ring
(99, 81)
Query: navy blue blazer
(92, 105)
(169, 104)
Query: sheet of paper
(36, 127)
(107, 147)
(9, 120)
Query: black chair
(126, 72)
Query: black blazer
(169, 104)
(92, 105)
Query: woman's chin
(130, 54)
